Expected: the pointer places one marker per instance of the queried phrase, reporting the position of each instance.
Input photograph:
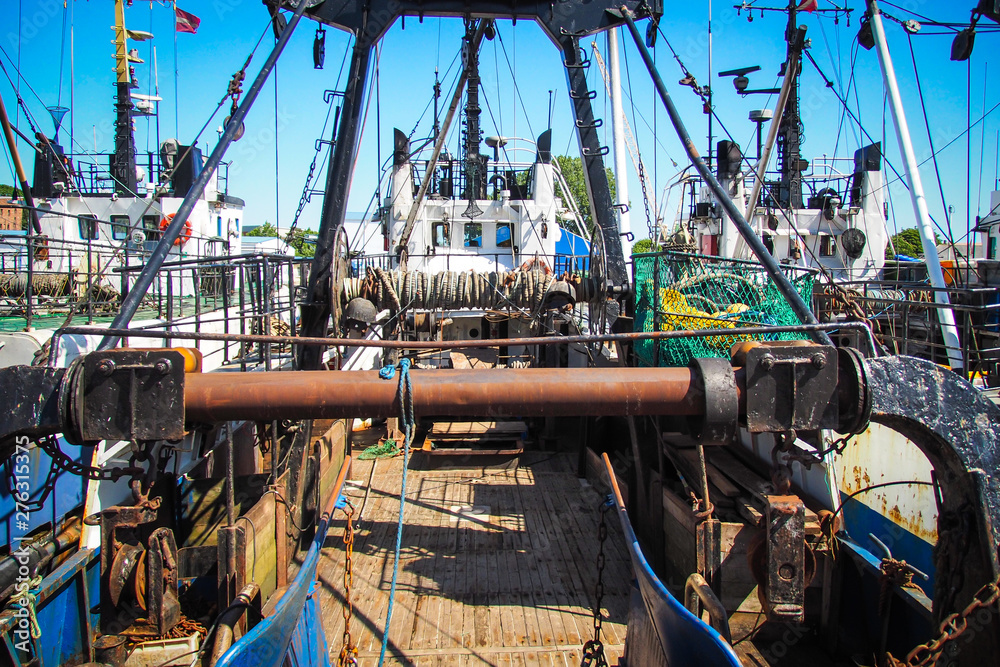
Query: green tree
(572, 171)
(267, 229)
(304, 242)
(907, 242)
(644, 245)
(6, 190)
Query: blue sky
(407, 60)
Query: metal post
(618, 134)
(591, 156)
(173, 231)
(29, 287)
(781, 281)
(791, 71)
(945, 315)
(316, 307)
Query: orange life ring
(185, 235)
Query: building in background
(10, 216)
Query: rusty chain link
(951, 628)
(593, 650)
(348, 652)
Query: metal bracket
(130, 395)
(786, 546)
(30, 396)
(589, 95)
(602, 151)
(791, 386)
(718, 426)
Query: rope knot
(26, 598)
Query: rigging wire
(968, 153)
(517, 90)
(305, 197)
(62, 56)
(117, 250)
(930, 137)
(856, 119)
(982, 142)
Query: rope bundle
(452, 290)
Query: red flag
(808, 6)
(185, 21)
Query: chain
(645, 198)
(236, 85)
(781, 457)
(349, 652)
(593, 650)
(951, 628)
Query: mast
(475, 168)
(437, 96)
(789, 134)
(618, 134)
(123, 165)
(945, 315)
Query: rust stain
(914, 525)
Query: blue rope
(404, 395)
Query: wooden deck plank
(512, 587)
(530, 575)
(553, 577)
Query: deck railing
(904, 318)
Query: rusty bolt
(163, 366)
(819, 360)
(106, 367)
(767, 362)
(786, 571)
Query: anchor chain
(593, 650)
(349, 652)
(951, 628)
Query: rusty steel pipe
(528, 392)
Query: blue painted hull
(684, 638)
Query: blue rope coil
(404, 395)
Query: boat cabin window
(504, 235)
(991, 247)
(119, 227)
(88, 227)
(827, 246)
(473, 235)
(441, 234)
(218, 226)
(151, 226)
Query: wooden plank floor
(497, 567)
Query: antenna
(810, 6)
